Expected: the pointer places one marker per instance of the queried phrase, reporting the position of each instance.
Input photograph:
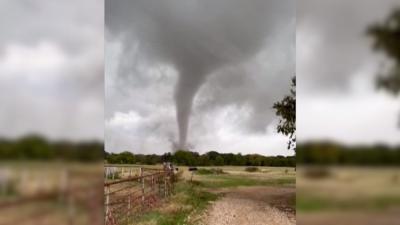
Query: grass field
(348, 192)
(34, 191)
(349, 188)
(194, 194)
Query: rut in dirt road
(252, 206)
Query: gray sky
(51, 72)
(235, 57)
(51, 69)
(336, 68)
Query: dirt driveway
(253, 206)
(384, 217)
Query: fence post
(71, 207)
(159, 184)
(4, 181)
(129, 209)
(63, 184)
(172, 180)
(107, 203)
(152, 184)
(141, 175)
(165, 184)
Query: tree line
(212, 158)
(330, 153)
(35, 147)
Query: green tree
(182, 157)
(386, 39)
(219, 161)
(286, 110)
(33, 147)
(126, 158)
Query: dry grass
(349, 182)
(33, 179)
(193, 198)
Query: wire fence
(71, 203)
(126, 198)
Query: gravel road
(252, 206)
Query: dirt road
(383, 217)
(253, 206)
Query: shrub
(317, 172)
(210, 171)
(8, 188)
(114, 175)
(251, 169)
(178, 176)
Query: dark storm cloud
(336, 70)
(340, 44)
(51, 68)
(212, 45)
(69, 23)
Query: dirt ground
(349, 185)
(388, 217)
(252, 206)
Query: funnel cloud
(200, 41)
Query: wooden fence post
(152, 183)
(71, 208)
(165, 184)
(63, 184)
(129, 209)
(159, 184)
(141, 175)
(107, 203)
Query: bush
(317, 172)
(210, 171)
(8, 188)
(114, 175)
(251, 169)
(178, 176)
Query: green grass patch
(188, 199)
(198, 199)
(204, 171)
(225, 181)
(159, 218)
(313, 204)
